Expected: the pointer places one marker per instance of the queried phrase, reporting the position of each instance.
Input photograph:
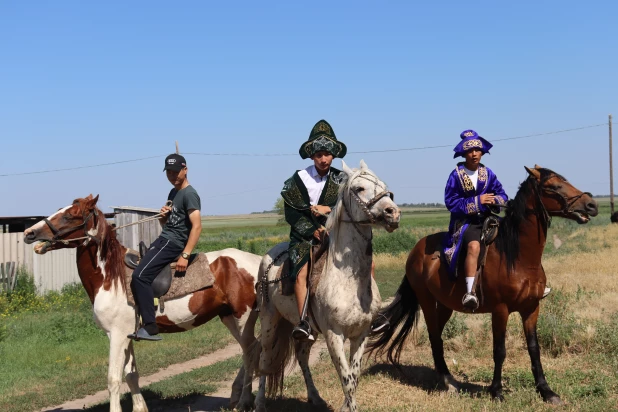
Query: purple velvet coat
(463, 201)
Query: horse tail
(402, 314)
(284, 344)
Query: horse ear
(89, 197)
(533, 172)
(92, 201)
(345, 168)
(363, 165)
(537, 167)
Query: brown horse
(513, 279)
(101, 268)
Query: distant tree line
(440, 205)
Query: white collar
(313, 172)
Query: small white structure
(132, 235)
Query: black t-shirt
(178, 224)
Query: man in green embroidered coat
(308, 196)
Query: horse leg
(269, 319)
(118, 346)
(529, 320)
(436, 315)
(132, 377)
(499, 318)
(357, 348)
(243, 331)
(303, 349)
(337, 354)
(260, 399)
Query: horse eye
(359, 189)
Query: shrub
(557, 325)
(454, 327)
(394, 243)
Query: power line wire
(80, 167)
(292, 154)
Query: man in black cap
(182, 226)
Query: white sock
(469, 283)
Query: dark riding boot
(302, 331)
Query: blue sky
(85, 83)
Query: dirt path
(172, 370)
(212, 402)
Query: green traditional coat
(302, 222)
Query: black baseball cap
(175, 162)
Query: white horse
(346, 299)
(101, 269)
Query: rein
(59, 233)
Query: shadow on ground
(422, 377)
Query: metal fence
(51, 271)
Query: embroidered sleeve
(454, 200)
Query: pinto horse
(513, 279)
(101, 269)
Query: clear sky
(84, 83)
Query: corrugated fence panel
(51, 271)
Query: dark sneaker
(546, 292)
(380, 323)
(470, 301)
(302, 331)
(142, 334)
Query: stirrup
(470, 301)
(380, 322)
(302, 331)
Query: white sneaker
(470, 301)
(546, 292)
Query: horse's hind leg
(132, 378)
(303, 348)
(499, 318)
(243, 331)
(529, 320)
(436, 315)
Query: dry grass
(584, 379)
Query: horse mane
(112, 252)
(507, 241)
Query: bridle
(60, 233)
(365, 206)
(566, 201)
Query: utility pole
(611, 169)
(178, 152)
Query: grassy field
(52, 352)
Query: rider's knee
(474, 248)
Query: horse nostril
(389, 210)
(591, 206)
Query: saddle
(171, 284)
(316, 266)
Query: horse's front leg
(529, 320)
(132, 377)
(118, 356)
(499, 318)
(357, 348)
(337, 354)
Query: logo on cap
(171, 161)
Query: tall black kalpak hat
(322, 137)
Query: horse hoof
(497, 397)
(242, 406)
(554, 400)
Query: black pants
(162, 252)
